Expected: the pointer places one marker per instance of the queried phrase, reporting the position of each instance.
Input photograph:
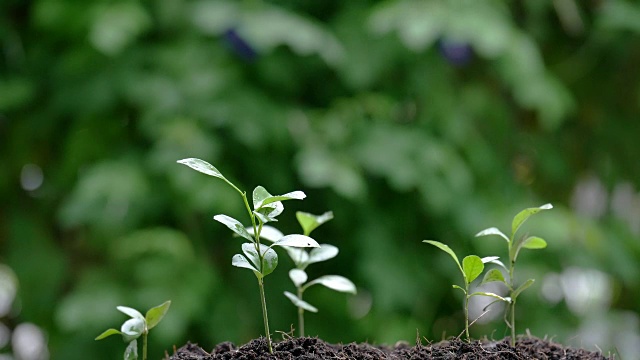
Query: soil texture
(313, 349)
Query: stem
(300, 314)
(265, 318)
(144, 345)
(512, 324)
(466, 316)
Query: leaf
(522, 288)
(460, 288)
(131, 352)
(534, 242)
(446, 249)
(261, 197)
(234, 225)
(269, 260)
(309, 222)
(493, 275)
(335, 282)
(490, 294)
(523, 215)
(493, 260)
(133, 313)
(299, 256)
(493, 231)
(132, 329)
(296, 240)
(300, 303)
(108, 333)
(202, 166)
(155, 314)
(323, 253)
(298, 277)
(472, 267)
(240, 261)
(268, 233)
(249, 250)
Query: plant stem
(300, 314)
(466, 316)
(512, 324)
(144, 345)
(265, 318)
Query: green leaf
(334, 282)
(262, 198)
(309, 222)
(490, 294)
(446, 249)
(131, 352)
(108, 333)
(249, 250)
(522, 288)
(298, 277)
(155, 314)
(269, 261)
(300, 303)
(493, 231)
(472, 267)
(534, 242)
(323, 253)
(493, 275)
(269, 258)
(523, 215)
(240, 261)
(234, 225)
(296, 240)
(202, 166)
(259, 194)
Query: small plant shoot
(257, 257)
(514, 245)
(302, 258)
(135, 327)
(472, 266)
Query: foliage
(406, 128)
(137, 326)
(472, 267)
(259, 258)
(514, 245)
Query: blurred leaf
(334, 282)
(298, 277)
(299, 302)
(296, 240)
(234, 225)
(309, 221)
(155, 314)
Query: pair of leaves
(333, 282)
(251, 259)
(527, 242)
(472, 266)
(137, 324)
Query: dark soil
(314, 348)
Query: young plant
(302, 259)
(472, 266)
(137, 326)
(259, 258)
(514, 246)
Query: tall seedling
(259, 258)
(514, 246)
(472, 266)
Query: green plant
(259, 258)
(472, 266)
(302, 259)
(514, 246)
(137, 326)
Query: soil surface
(314, 348)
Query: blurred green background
(409, 119)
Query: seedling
(302, 259)
(137, 326)
(259, 258)
(514, 246)
(472, 266)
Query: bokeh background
(409, 119)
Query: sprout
(472, 266)
(259, 258)
(514, 246)
(137, 326)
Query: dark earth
(313, 348)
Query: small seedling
(137, 326)
(514, 246)
(302, 259)
(472, 266)
(259, 258)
